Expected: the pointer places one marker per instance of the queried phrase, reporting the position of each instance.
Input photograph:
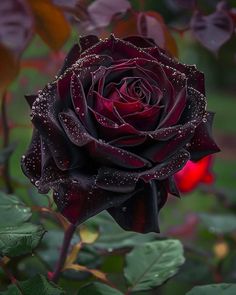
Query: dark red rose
(112, 129)
(194, 173)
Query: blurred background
(32, 51)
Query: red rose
(194, 173)
(115, 126)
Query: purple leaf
(213, 30)
(151, 27)
(102, 11)
(16, 25)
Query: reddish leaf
(102, 11)
(50, 23)
(149, 24)
(16, 25)
(126, 27)
(152, 25)
(213, 30)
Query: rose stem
(5, 131)
(64, 249)
(9, 274)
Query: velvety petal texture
(114, 128)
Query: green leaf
(12, 210)
(17, 236)
(38, 285)
(98, 289)
(151, 264)
(113, 237)
(219, 223)
(20, 240)
(216, 289)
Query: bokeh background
(204, 219)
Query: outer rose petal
(97, 148)
(31, 161)
(77, 49)
(44, 118)
(124, 181)
(193, 174)
(140, 212)
(78, 198)
(195, 77)
(202, 143)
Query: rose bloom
(193, 174)
(114, 127)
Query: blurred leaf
(219, 223)
(126, 27)
(16, 25)
(50, 23)
(98, 289)
(9, 67)
(152, 25)
(12, 211)
(194, 270)
(102, 11)
(6, 152)
(151, 264)
(148, 24)
(213, 30)
(20, 239)
(38, 284)
(88, 235)
(217, 289)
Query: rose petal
(71, 58)
(128, 141)
(80, 104)
(140, 212)
(117, 49)
(79, 199)
(44, 118)
(97, 148)
(31, 161)
(195, 77)
(174, 110)
(74, 54)
(140, 41)
(124, 181)
(202, 143)
(87, 42)
(110, 130)
(145, 120)
(159, 151)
